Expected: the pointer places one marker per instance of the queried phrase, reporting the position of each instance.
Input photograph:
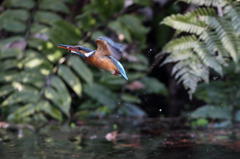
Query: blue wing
(119, 67)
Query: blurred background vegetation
(40, 83)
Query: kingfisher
(105, 57)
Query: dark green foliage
(222, 92)
(39, 81)
(221, 95)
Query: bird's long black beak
(63, 46)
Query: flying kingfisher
(106, 55)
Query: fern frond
(179, 44)
(232, 11)
(212, 41)
(214, 46)
(184, 24)
(224, 32)
(201, 12)
(177, 56)
(190, 76)
(207, 58)
(189, 22)
(214, 3)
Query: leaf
(137, 66)
(5, 90)
(54, 5)
(215, 3)
(59, 94)
(20, 3)
(135, 76)
(39, 28)
(184, 23)
(109, 79)
(46, 17)
(143, 2)
(65, 33)
(102, 94)
(71, 79)
(238, 116)
(120, 29)
(22, 77)
(17, 14)
(131, 110)
(13, 20)
(131, 22)
(22, 112)
(58, 84)
(130, 98)
(6, 41)
(50, 110)
(33, 60)
(105, 8)
(81, 69)
(58, 100)
(8, 64)
(13, 25)
(26, 96)
(152, 85)
(212, 112)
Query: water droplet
(150, 51)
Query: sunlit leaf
(22, 96)
(81, 69)
(71, 79)
(58, 100)
(22, 112)
(59, 94)
(50, 110)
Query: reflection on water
(89, 142)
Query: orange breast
(103, 62)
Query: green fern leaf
(214, 3)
